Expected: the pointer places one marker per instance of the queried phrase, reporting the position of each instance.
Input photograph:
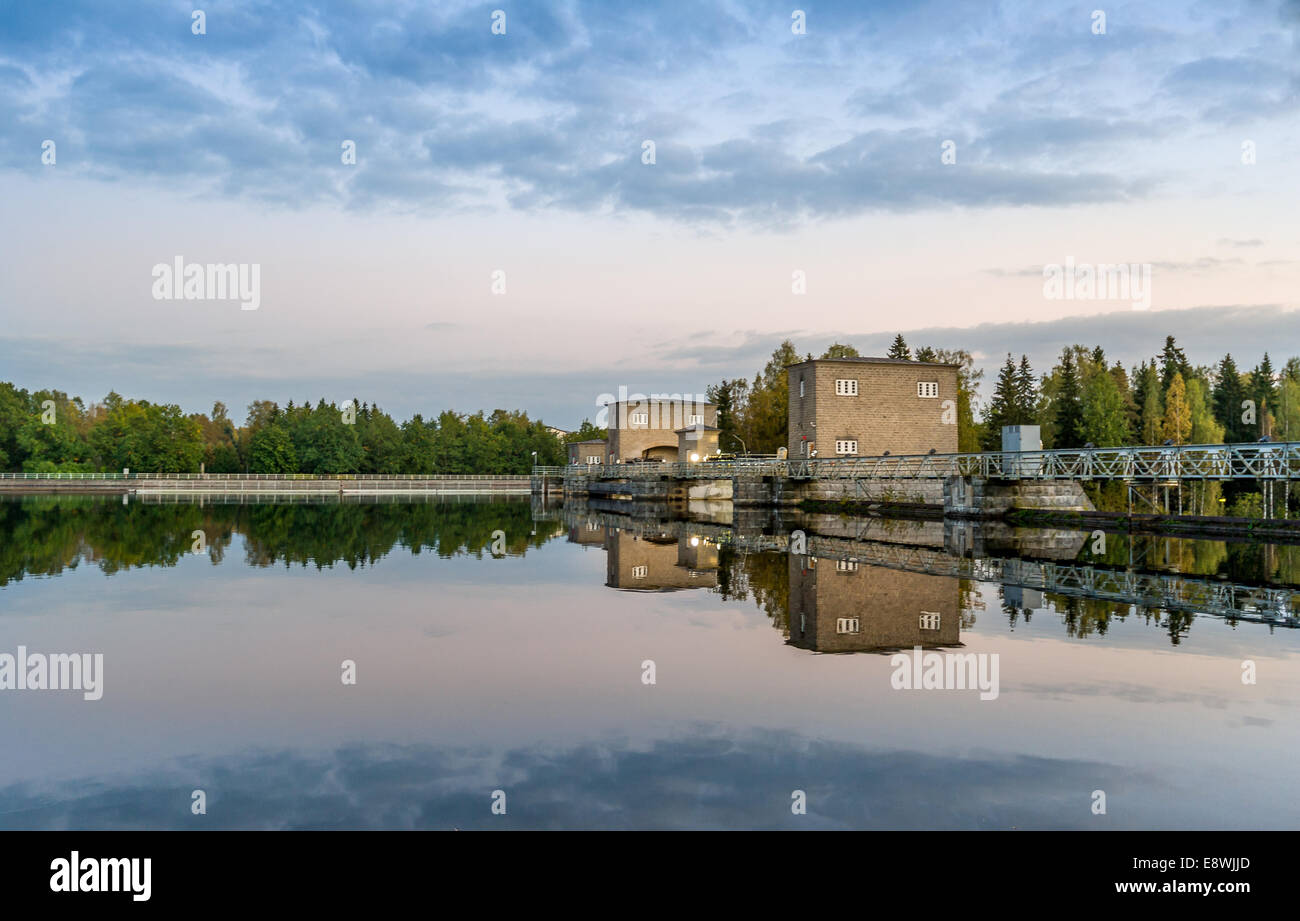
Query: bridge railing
(1250, 461)
(268, 477)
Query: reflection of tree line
(1085, 617)
(1245, 562)
(764, 577)
(45, 536)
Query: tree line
(46, 431)
(1084, 399)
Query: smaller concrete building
(587, 452)
(646, 430)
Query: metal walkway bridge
(1278, 607)
(1269, 461)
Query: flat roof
(589, 441)
(878, 361)
(697, 428)
(682, 399)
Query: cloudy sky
(1170, 139)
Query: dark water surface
(523, 673)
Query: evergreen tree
(1003, 406)
(1026, 393)
(1068, 404)
(899, 349)
(1172, 361)
(1227, 399)
(1263, 390)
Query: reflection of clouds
(1127, 691)
(705, 780)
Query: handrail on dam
(266, 477)
(1249, 461)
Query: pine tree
(1003, 405)
(1069, 406)
(899, 349)
(1026, 393)
(925, 353)
(1228, 396)
(1263, 390)
(1172, 361)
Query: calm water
(523, 672)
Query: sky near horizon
(1170, 140)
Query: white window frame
(846, 447)
(927, 390)
(930, 620)
(846, 565)
(845, 625)
(640, 572)
(801, 387)
(696, 419)
(638, 419)
(846, 387)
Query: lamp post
(741, 440)
(534, 459)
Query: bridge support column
(981, 497)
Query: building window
(929, 621)
(695, 420)
(847, 625)
(640, 418)
(846, 565)
(640, 572)
(846, 388)
(801, 387)
(927, 389)
(846, 446)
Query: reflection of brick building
(588, 533)
(837, 606)
(867, 406)
(659, 563)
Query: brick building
(647, 429)
(844, 407)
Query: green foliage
(1103, 422)
(272, 450)
(899, 349)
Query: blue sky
(522, 153)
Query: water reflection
(520, 669)
(861, 584)
(707, 778)
(879, 585)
